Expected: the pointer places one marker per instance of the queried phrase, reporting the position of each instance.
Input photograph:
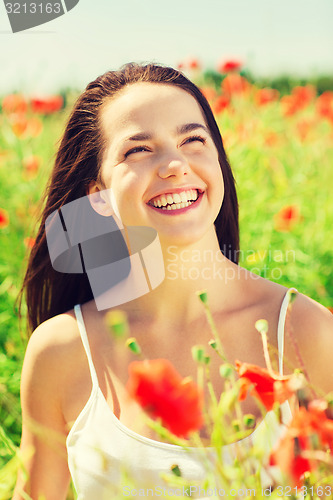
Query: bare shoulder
(48, 361)
(51, 339)
(54, 330)
(310, 315)
(311, 329)
(264, 293)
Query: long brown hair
(78, 162)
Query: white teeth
(176, 198)
(177, 206)
(163, 200)
(175, 201)
(183, 197)
(192, 194)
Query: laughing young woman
(147, 134)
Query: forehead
(147, 106)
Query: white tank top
(107, 460)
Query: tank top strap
(85, 342)
(286, 413)
(281, 326)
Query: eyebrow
(183, 129)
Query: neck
(189, 269)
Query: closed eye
(137, 149)
(195, 138)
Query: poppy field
(280, 147)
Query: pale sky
(290, 36)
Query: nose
(173, 165)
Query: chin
(183, 239)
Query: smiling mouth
(175, 201)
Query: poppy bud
(117, 322)
(203, 296)
(226, 370)
(262, 326)
(206, 360)
(249, 421)
(213, 344)
(198, 353)
(236, 425)
(176, 470)
(329, 410)
(133, 345)
(307, 478)
(293, 295)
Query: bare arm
(311, 326)
(43, 449)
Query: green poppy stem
(219, 348)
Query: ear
(99, 200)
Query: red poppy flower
(227, 66)
(19, 124)
(14, 103)
(300, 97)
(269, 388)
(234, 83)
(4, 218)
(303, 128)
(31, 165)
(324, 105)
(266, 95)
(288, 457)
(29, 242)
(34, 127)
(309, 430)
(26, 127)
(304, 95)
(221, 103)
(321, 421)
(289, 105)
(164, 394)
(286, 218)
(47, 105)
(208, 92)
(193, 64)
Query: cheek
(219, 192)
(217, 185)
(127, 192)
(214, 172)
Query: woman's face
(161, 162)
